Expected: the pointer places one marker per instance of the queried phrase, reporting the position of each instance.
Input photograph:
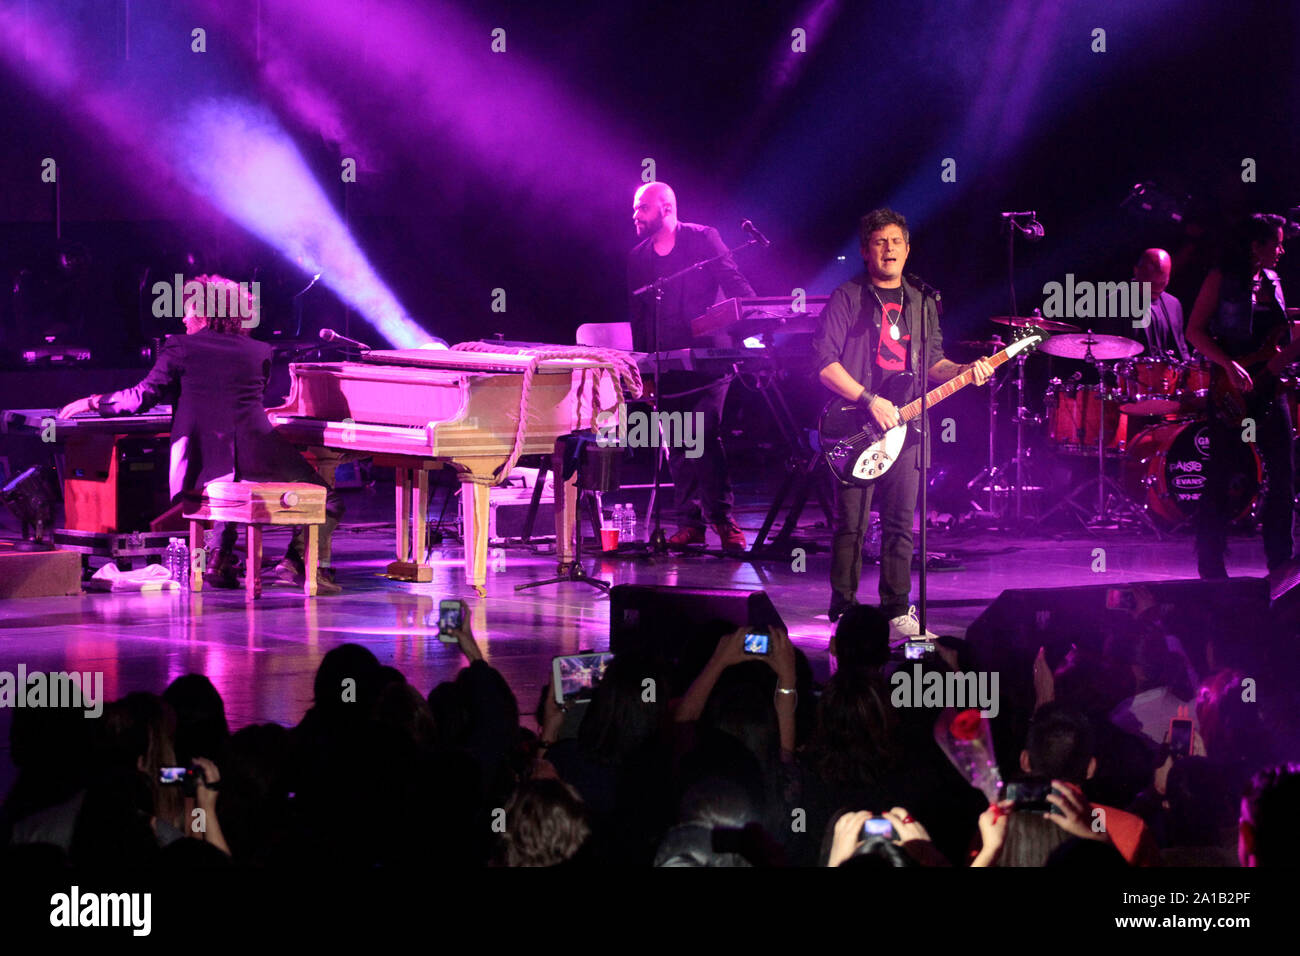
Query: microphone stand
(658, 540)
(925, 448)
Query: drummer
(1164, 333)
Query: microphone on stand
(927, 290)
(925, 287)
(1032, 230)
(329, 335)
(754, 234)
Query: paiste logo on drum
(1098, 300)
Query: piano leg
(412, 497)
(566, 508)
(403, 493)
(474, 511)
(419, 516)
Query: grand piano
(471, 410)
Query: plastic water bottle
(183, 562)
(630, 517)
(169, 561)
(620, 522)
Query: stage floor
(262, 658)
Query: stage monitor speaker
(1007, 636)
(662, 619)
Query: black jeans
(895, 495)
(701, 486)
(1274, 442)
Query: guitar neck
(936, 395)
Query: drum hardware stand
(1116, 507)
(1020, 461)
(990, 471)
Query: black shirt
(849, 332)
(684, 298)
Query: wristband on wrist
(866, 398)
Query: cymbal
(1104, 348)
(1024, 321)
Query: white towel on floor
(151, 578)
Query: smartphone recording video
(878, 826)
(451, 614)
(915, 650)
(574, 677)
(1180, 737)
(1030, 795)
(756, 642)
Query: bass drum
(1166, 471)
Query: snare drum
(1166, 464)
(1150, 385)
(1075, 413)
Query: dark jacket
(685, 298)
(847, 332)
(1233, 324)
(215, 382)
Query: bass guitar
(859, 451)
(1227, 400)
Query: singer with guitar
(1239, 323)
(867, 343)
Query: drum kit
(1149, 412)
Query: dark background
(739, 125)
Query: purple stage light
(236, 154)
(231, 156)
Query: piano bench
(257, 503)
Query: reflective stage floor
(262, 657)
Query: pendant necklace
(893, 326)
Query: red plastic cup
(609, 539)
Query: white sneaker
(907, 627)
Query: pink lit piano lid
(473, 361)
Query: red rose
(966, 725)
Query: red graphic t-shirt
(891, 353)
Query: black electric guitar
(859, 451)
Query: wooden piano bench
(257, 503)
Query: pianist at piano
(214, 377)
(702, 486)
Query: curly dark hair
(546, 824)
(879, 219)
(224, 304)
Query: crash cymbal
(1103, 348)
(1025, 321)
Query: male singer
(868, 333)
